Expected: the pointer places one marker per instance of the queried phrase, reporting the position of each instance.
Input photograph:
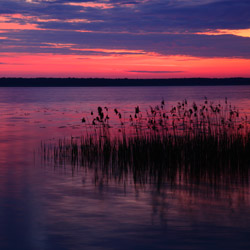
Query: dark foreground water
(46, 206)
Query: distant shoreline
(105, 82)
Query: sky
(125, 38)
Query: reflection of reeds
(194, 143)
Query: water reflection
(178, 215)
(64, 206)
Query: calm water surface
(43, 206)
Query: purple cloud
(155, 71)
(162, 26)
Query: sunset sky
(122, 38)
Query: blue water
(46, 206)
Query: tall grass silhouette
(206, 143)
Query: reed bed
(206, 143)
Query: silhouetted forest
(103, 82)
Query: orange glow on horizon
(117, 66)
(107, 62)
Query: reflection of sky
(160, 38)
(47, 207)
(50, 209)
(31, 114)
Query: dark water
(45, 206)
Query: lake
(47, 206)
